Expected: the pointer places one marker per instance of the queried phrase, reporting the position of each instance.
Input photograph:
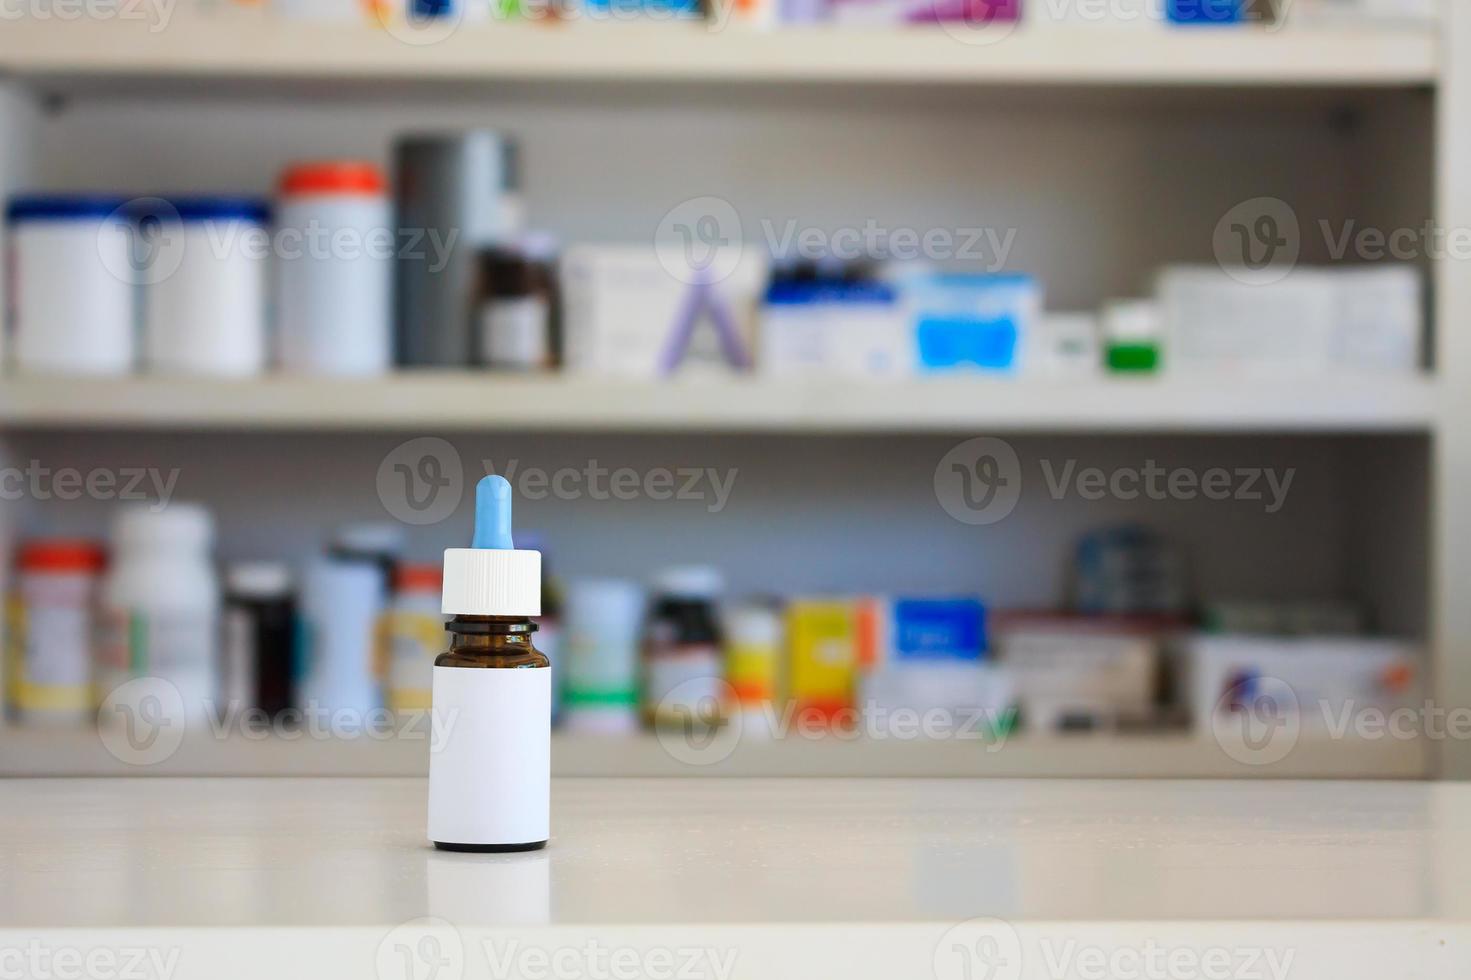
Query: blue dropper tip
(493, 514)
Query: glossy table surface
(768, 865)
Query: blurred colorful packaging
(1083, 672)
(413, 629)
(823, 640)
(976, 12)
(1327, 685)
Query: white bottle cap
(689, 582)
(258, 579)
(180, 526)
(492, 578)
(491, 582)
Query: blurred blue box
(975, 322)
(1206, 11)
(608, 9)
(938, 629)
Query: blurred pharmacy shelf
(265, 49)
(474, 401)
(25, 752)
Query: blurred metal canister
(457, 195)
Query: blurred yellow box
(823, 641)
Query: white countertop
(806, 878)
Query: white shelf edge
(80, 753)
(267, 49)
(471, 401)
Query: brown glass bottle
(491, 643)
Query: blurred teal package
(965, 322)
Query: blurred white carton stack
(1065, 345)
(1065, 674)
(1311, 322)
(1341, 12)
(625, 310)
(854, 331)
(1325, 682)
(943, 699)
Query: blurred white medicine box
(1344, 12)
(624, 312)
(840, 330)
(937, 700)
(1063, 674)
(1325, 682)
(1313, 321)
(1064, 345)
